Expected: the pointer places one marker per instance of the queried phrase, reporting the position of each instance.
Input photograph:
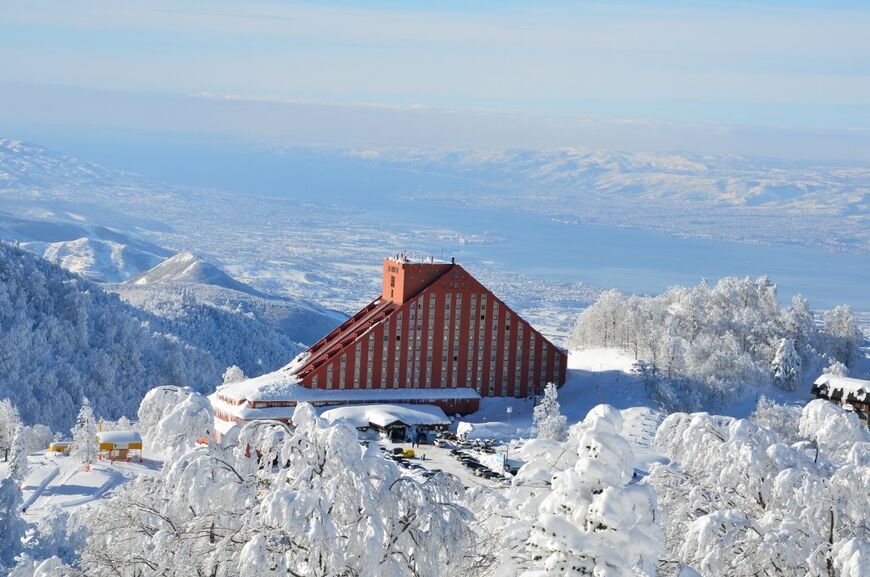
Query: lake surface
(636, 260)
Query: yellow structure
(60, 447)
(119, 444)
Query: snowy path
(50, 475)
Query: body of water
(636, 260)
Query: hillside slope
(186, 279)
(64, 338)
(187, 267)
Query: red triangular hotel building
(434, 326)
(434, 335)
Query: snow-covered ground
(595, 376)
(61, 481)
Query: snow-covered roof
(282, 385)
(853, 388)
(415, 259)
(119, 437)
(299, 394)
(383, 415)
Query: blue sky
(669, 75)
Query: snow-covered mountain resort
(435, 335)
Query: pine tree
(836, 368)
(786, 366)
(233, 374)
(18, 455)
(549, 423)
(84, 435)
(597, 521)
(12, 526)
(9, 421)
(11, 523)
(840, 325)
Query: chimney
(452, 260)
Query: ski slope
(61, 481)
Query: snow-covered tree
(784, 419)
(836, 368)
(841, 327)
(560, 486)
(703, 346)
(29, 567)
(84, 436)
(233, 374)
(38, 438)
(786, 366)
(171, 420)
(123, 424)
(597, 520)
(18, 466)
(549, 423)
(64, 337)
(325, 507)
(9, 421)
(737, 501)
(52, 537)
(834, 430)
(12, 526)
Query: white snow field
(61, 481)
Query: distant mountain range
(580, 173)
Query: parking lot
(473, 464)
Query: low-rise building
(852, 394)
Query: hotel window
(430, 337)
(356, 365)
(314, 382)
(329, 376)
(544, 358)
(341, 371)
(384, 356)
(392, 281)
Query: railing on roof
(375, 312)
